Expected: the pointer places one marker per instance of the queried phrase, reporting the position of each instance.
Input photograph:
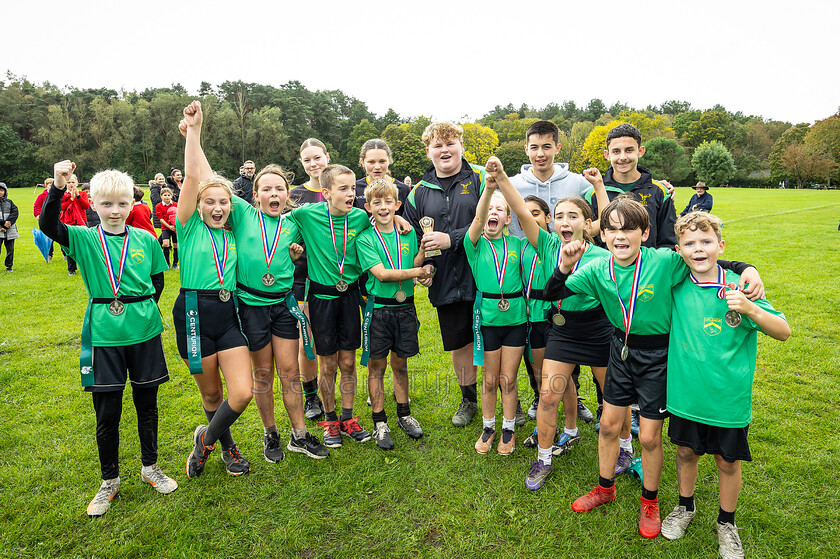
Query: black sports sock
(532, 379)
(726, 517)
(226, 439)
(310, 387)
(346, 413)
(377, 417)
(174, 256)
(648, 494)
(687, 502)
(145, 402)
(331, 416)
(166, 254)
(403, 410)
(606, 483)
(469, 393)
(219, 427)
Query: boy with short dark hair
(634, 287)
(390, 319)
(330, 230)
(711, 362)
(122, 268)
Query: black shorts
(336, 323)
(167, 234)
(260, 322)
(217, 322)
(730, 443)
(583, 340)
(394, 329)
(642, 378)
(144, 364)
(537, 337)
(456, 324)
(497, 336)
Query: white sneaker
(674, 525)
(102, 500)
(729, 541)
(155, 477)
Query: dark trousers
(10, 252)
(108, 408)
(71, 264)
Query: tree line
(41, 123)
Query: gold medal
(504, 304)
(558, 319)
(624, 352)
(224, 295)
(268, 279)
(116, 307)
(341, 286)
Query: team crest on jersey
(465, 187)
(232, 246)
(513, 256)
(643, 199)
(404, 248)
(351, 233)
(645, 293)
(137, 255)
(712, 326)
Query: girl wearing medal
(268, 310)
(499, 320)
(375, 157)
(206, 323)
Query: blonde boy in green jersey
(711, 361)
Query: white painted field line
(781, 213)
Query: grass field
(435, 496)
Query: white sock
(489, 423)
(571, 432)
(299, 433)
(544, 455)
(508, 423)
(627, 444)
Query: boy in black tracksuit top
(449, 193)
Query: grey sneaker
(520, 418)
(411, 426)
(312, 407)
(466, 412)
(382, 434)
(583, 412)
(102, 500)
(538, 474)
(634, 422)
(624, 457)
(564, 443)
(308, 445)
(273, 448)
(155, 477)
(729, 541)
(200, 453)
(674, 525)
(235, 463)
(532, 411)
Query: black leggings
(108, 408)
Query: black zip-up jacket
(453, 211)
(173, 186)
(244, 188)
(656, 200)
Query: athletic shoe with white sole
(235, 463)
(532, 411)
(564, 443)
(729, 541)
(537, 475)
(382, 435)
(312, 407)
(308, 445)
(155, 477)
(411, 426)
(332, 433)
(351, 428)
(583, 412)
(466, 412)
(675, 524)
(273, 448)
(200, 453)
(102, 500)
(532, 440)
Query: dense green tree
(480, 142)
(408, 151)
(713, 163)
(360, 134)
(513, 156)
(824, 137)
(793, 135)
(666, 158)
(805, 163)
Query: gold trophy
(428, 225)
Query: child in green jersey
(122, 268)
(499, 314)
(634, 287)
(206, 324)
(390, 320)
(711, 361)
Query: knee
(651, 440)
(212, 399)
(685, 454)
(347, 364)
(239, 399)
(728, 468)
(610, 427)
(328, 364)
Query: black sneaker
(308, 445)
(382, 434)
(313, 408)
(634, 422)
(273, 448)
(200, 453)
(235, 463)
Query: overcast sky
(448, 59)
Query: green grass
(436, 496)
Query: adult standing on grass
(243, 186)
(155, 187)
(123, 271)
(74, 207)
(8, 229)
(175, 182)
(36, 210)
(210, 342)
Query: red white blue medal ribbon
(219, 262)
(114, 276)
(627, 311)
(501, 268)
(269, 253)
(341, 260)
(585, 246)
(719, 284)
(530, 274)
(388, 253)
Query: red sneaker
(598, 496)
(649, 523)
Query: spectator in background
(8, 229)
(140, 215)
(174, 181)
(36, 210)
(91, 217)
(154, 195)
(700, 201)
(244, 185)
(164, 212)
(74, 207)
